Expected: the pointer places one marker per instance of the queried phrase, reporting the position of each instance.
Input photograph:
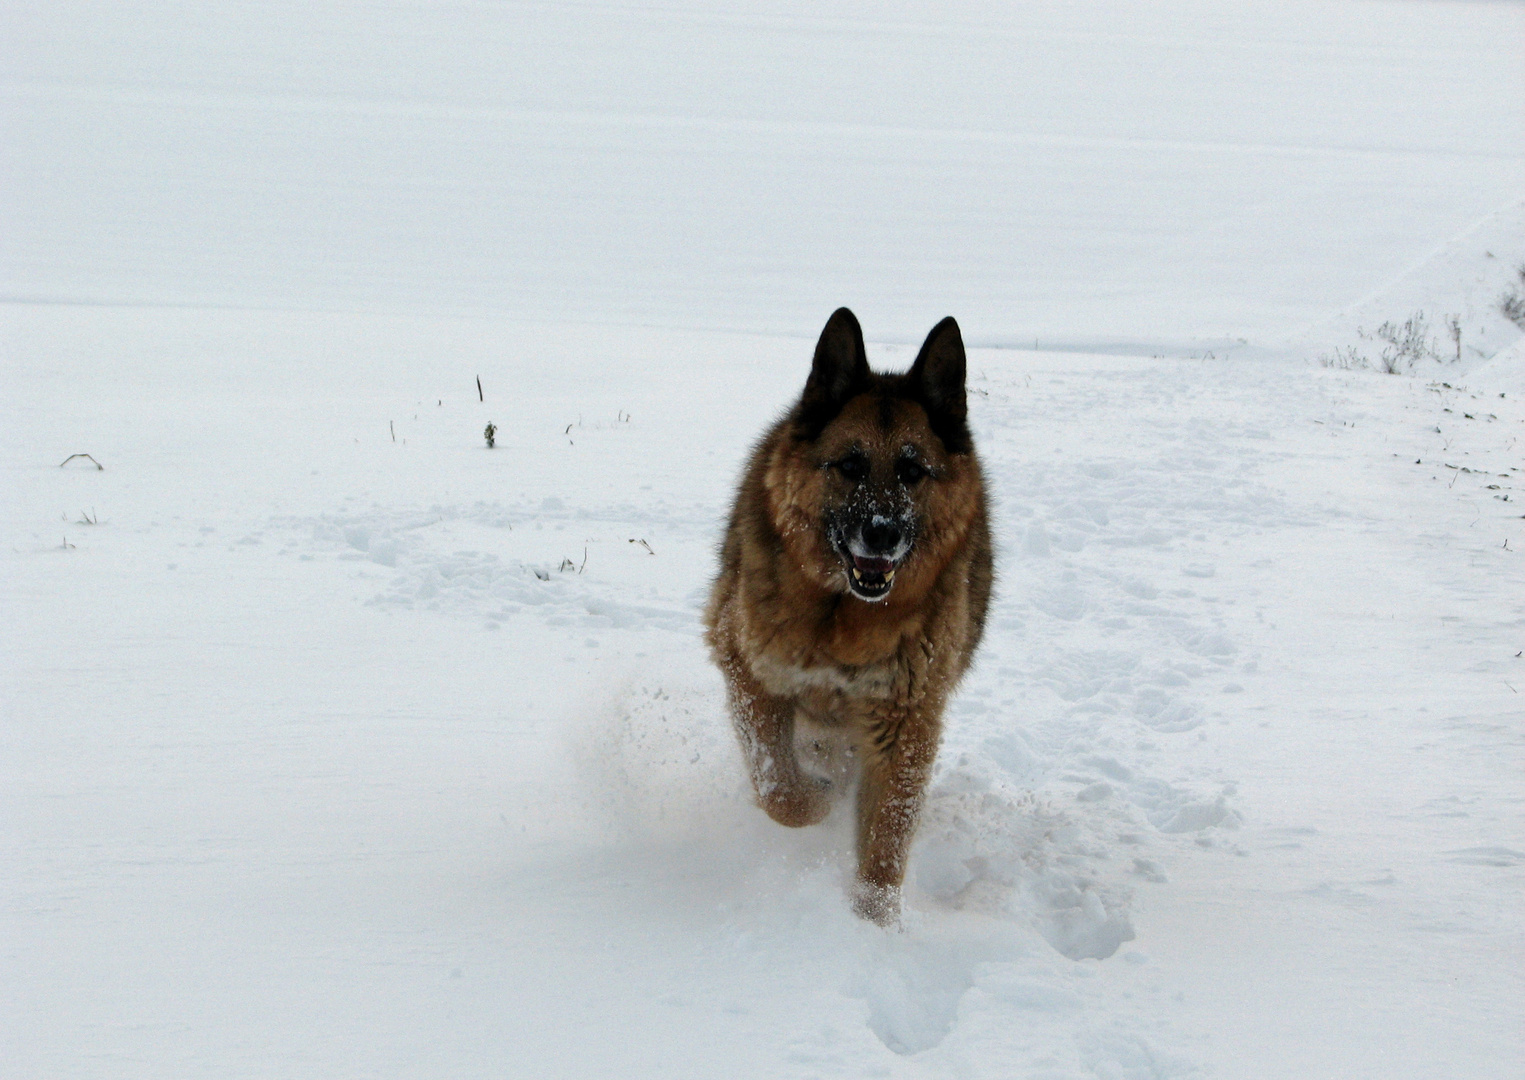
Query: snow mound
(1445, 312)
(1504, 374)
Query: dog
(855, 574)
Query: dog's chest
(880, 681)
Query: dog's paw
(876, 903)
(797, 805)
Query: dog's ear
(839, 373)
(938, 378)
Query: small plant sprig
(490, 433)
(1403, 347)
(1406, 345)
(1512, 301)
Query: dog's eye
(909, 470)
(853, 468)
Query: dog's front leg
(765, 726)
(895, 774)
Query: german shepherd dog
(854, 577)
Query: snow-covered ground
(333, 743)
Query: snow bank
(1505, 373)
(1443, 315)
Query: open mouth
(870, 578)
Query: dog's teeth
(857, 576)
(889, 576)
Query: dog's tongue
(866, 565)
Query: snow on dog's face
(874, 466)
(880, 469)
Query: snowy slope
(333, 743)
(1166, 177)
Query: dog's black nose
(881, 536)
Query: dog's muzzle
(873, 553)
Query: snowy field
(334, 744)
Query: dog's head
(892, 458)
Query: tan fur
(799, 648)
